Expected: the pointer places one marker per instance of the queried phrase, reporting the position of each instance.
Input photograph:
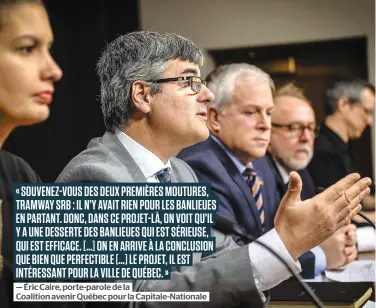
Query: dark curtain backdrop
(81, 30)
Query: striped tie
(255, 183)
(164, 177)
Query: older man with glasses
(239, 120)
(291, 149)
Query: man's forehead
(179, 67)
(368, 98)
(248, 91)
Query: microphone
(321, 189)
(226, 226)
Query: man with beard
(291, 149)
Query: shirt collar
(282, 171)
(239, 165)
(147, 161)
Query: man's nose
(265, 121)
(306, 135)
(205, 96)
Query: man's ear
(141, 97)
(343, 104)
(213, 119)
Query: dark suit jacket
(212, 165)
(307, 260)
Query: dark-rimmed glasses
(195, 82)
(296, 129)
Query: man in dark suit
(154, 104)
(291, 149)
(239, 121)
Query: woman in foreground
(27, 76)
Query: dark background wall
(81, 30)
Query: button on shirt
(268, 271)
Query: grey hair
(142, 55)
(352, 89)
(222, 81)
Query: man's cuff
(320, 260)
(268, 269)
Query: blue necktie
(163, 175)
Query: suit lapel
(173, 177)
(120, 152)
(238, 179)
(308, 190)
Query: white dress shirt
(268, 271)
(148, 162)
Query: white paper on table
(357, 271)
(369, 304)
(366, 239)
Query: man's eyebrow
(190, 71)
(255, 105)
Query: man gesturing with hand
(154, 104)
(324, 214)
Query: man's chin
(199, 136)
(203, 135)
(259, 152)
(297, 165)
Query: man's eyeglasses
(195, 82)
(296, 130)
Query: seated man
(154, 104)
(291, 149)
(239, 120)
(350, 105)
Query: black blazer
(212, 165)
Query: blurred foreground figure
(27, 75)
